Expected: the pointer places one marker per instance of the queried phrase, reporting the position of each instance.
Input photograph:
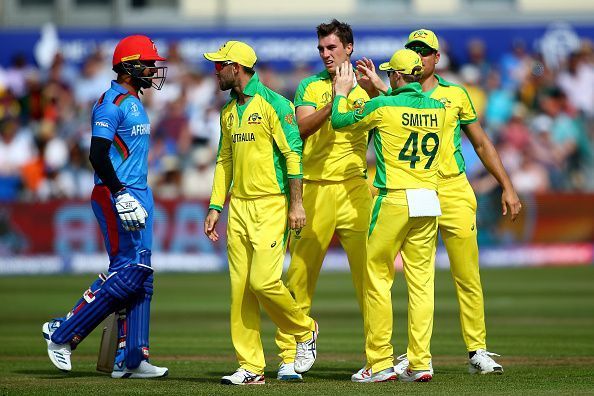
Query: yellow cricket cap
(424, 36)
(404, 61)
(234, 51)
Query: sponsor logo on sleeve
(102, 124)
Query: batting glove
(131, 212)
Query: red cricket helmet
(131, 56)
(137, 47)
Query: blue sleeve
(105, 120)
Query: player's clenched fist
(296, 216)
(209, 225)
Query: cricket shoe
(415, 376)
(144, 370)
(367, 375)
(243, 377)
(306, 353)
(286, 372)
(361, 374)
(59, 354)
(482, 363)
(403, 365)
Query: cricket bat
(109, 344)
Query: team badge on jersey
(446, 102)
(359, 106)
(254, 118)
(326, 97)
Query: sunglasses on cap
(220, 65)
(422, 50)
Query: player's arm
(361, 119)
(311, 120)
(101, 163)
(105, 121)
(221, 184)
(286, 136)
(486, 152)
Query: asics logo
(273, 244)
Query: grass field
(540, 320)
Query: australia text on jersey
(244, 137)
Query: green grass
(540, 320)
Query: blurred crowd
(540, 118)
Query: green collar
(324, 74)
(408, 88)
(252, 87)
(443, 82)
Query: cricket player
(336, 196)
(457, 225)
(123, 205)
(404, 216)
(260, 155)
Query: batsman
(123, 205)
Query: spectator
(197, 180)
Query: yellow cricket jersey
(459, 110)
(407, 139)
(328, 155)
(259, 148)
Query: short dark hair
(249, 70)
(342, 30)
(414, 76)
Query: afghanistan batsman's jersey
(119, 116)
(259, 148)
(409, 128)
(459, 110)
(328, 155)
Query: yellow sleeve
(223, 171)
(467, 113)
(286, 136)
(362, 118)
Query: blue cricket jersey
(120, 117)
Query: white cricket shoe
(403, 365)
(367, 375)
(306, 353)
(59, 354)
(360, 375)
(415, 376)
(243, 377)
(482, 363)
(144, 370)
(286, 372)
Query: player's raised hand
(510, 198)
(344, 79)
(368, 78)
(209, 225)
(132, 214)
